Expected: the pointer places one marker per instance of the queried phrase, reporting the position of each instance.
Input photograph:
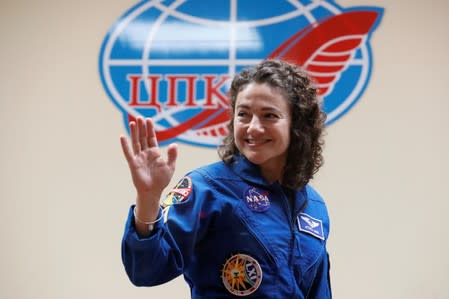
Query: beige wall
(65, 188)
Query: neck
(272, 175)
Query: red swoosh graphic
(185, 126)
(323, 49)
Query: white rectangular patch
(310, 225)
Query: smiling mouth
(258, 142)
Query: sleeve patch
(179, 193)
(310, 225)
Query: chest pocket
(311, 245)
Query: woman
(248, 225)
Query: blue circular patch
(257, 200)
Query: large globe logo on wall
(174, 60)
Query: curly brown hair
(304, 156)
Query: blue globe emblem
(173, 60)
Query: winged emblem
(310, 222)
(324, 49)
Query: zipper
(290, 218)
(293, 242)
(262, 245)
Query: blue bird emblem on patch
(310, 225)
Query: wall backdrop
(65, 188)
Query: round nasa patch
(257, 200)
(241, 275)
(179, 193)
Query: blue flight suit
(232, 234)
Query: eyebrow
(265, 108)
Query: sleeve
(321, 286)
(165, 254)
(143, 258)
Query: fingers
(172, 154)
(151, 134)
(125, 148)
(142, 133)
(134, 137)
(138, 132)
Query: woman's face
(262, 123)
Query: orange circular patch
(241, 275)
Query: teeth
(251, 141)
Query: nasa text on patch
(257, 200)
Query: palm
(150, 172)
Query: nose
(255, 125)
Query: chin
(255, 159)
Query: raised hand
(150, 172)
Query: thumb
(172, 154)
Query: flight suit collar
(250, 172)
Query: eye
(271, 115)
(242, 114)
